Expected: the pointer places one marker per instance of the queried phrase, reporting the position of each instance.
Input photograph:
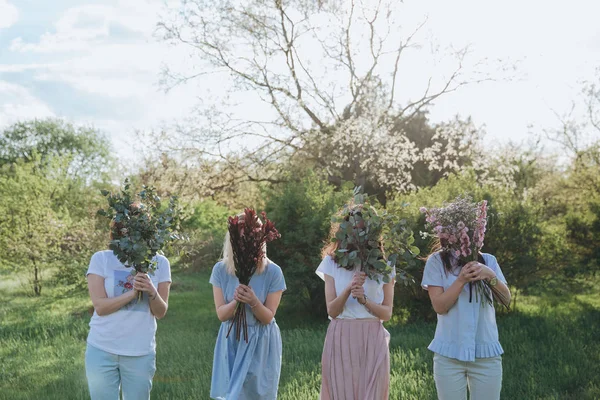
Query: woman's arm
(336, 303)
(102, 303)
(158, 298)
(263, 312)
(266, 312)
(159, 302)
(224, 310)
(382, 311)
(443, 300)
(483, 272)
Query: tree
(87, 150)
(30, 229)
(301, 59)
(302, 211)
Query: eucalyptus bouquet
(361, 234)
(140, 226)
(248, 235)
(460, 227)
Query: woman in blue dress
(247, 371)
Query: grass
(551, 343)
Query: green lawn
(552, 348)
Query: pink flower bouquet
(460, 226)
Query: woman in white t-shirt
(356, 359)
(121, 346)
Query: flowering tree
(304, 61)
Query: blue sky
(99, 62)
(92, 62)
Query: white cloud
(17, 103)
(9, 14)
(82, 28)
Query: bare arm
(158, 298)
(335, 303)
(443, 300)
(263, 312)
(501, 286)
(159, 303)
(102, 303)
(224, 310)
(382, 311)
(483, 272)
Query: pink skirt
(356, 361)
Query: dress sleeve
(326, 267)
(216, 275)
(164, 270)
(277, 281)
(96, 266)
(433, 275)
(492, 262)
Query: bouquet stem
(240, 322)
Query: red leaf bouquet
(249, 236)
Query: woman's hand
(358, 280)
(245, 294)
(475, 271)
(358, 292)
(143, 283)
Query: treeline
(545, 214)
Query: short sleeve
(215, 276)
(277, 280)
(492, 262)
(164, 270)
(433, 275)
(96, 266)
(326, 267)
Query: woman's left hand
(480, 271)
(358, 292)
(247, 295)
(143, 283)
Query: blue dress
(247, 371)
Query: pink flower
(457, 253)
(423, 210)
(128, 285)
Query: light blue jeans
(108, 374)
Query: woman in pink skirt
(356, 357)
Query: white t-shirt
(342, 277)
(131, 330)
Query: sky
(99, 62)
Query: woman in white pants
(466, 346)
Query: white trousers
(483, 377)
